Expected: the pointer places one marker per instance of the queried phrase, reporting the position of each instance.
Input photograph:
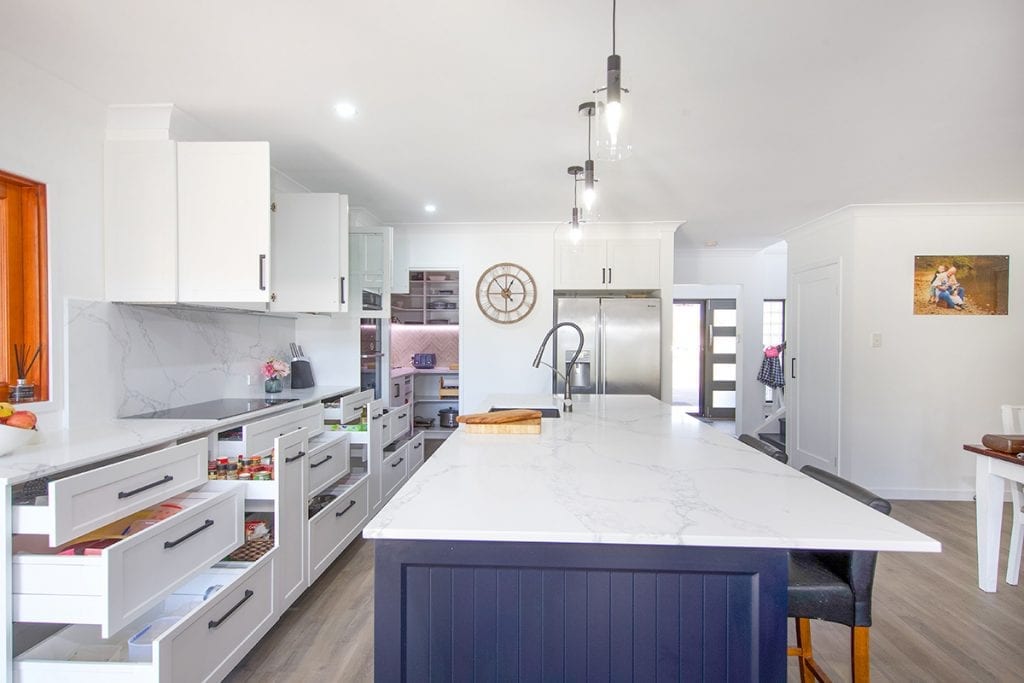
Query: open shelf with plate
(433, 299)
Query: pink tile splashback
(441, 340)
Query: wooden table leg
(989, 492)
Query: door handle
(129, 494)
(602, 276)
(792, 368)
(206, 525)
(217, 622)
(609, 275)
(263, 264)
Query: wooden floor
(931, 622)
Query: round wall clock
(506, 293)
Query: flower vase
(272, 385)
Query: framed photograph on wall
(961, 285)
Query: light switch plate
(876, 340)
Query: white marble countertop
(626, 470)
(70, 448)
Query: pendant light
(589, 181)
(575, 232)
(612, 143)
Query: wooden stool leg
(803, 642)
(860, 654)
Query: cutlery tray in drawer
(127, 578)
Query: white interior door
(813, 369)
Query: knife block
(302, 374)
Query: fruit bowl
(15, 437)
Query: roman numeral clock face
(506, 293)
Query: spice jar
(232, 471)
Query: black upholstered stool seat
(817, 592)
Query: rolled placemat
(1004, 443)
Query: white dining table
(992, 470)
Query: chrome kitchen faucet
(537, 362)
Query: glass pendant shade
(611, 132)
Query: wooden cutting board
(521, 427)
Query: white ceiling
(748, 117)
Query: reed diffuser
(24, 392)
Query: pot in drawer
(127, 578)
(203, 644)
(83, 502)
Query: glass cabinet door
(368, 259)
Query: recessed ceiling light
(346, 110)
(711, 243)
(429, 208)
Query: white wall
(937, 381)
(493, 358)
(756, 275)
(53, 133)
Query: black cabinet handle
(263, 263)
(396, 464)
(317, 464)
(217, 622)
(129, 494)
(301, 454)
(206, 525)
(417, 446)
(792, 368)
(402, 416)
(351, 504)
(377, 417)
(609, 276)
(602, 276)
(398, 388)
(341, 288)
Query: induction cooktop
(214, 410)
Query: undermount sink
(544, 412)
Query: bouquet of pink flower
(275, 369)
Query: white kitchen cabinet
(309, 245)
(334, 527)
(394, 470)
(608, 264)
(370, 268)
(187, 222)
(290, 526)
(224, 222)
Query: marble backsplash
(124, 359)
(441, 340)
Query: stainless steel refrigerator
(621, 345)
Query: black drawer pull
(129, 494)
(351, 504)
(317, 464)
(402, 416)
(301, 454)
(206, 525)
(217, 622)
(377, 417)
(396, 464)
(417, 445)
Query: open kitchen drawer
(129, 577)
(256, 437)
(82, 502)
(337, 523)
(348, 408)
(326, 460)
(210, 630)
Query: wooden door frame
(24, 269)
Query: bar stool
(1013, 423)
(834, 586)
(765, 448)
